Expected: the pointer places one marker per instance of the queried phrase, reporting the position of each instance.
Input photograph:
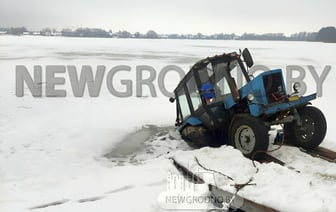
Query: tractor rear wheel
(312, 130)
(249, 135)
(196, 136)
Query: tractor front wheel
(309, 131)
(249, 135)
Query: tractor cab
(202, 91)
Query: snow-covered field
(100, 154)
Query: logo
(186, 194)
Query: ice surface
(53, 149)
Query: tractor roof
(223, 58)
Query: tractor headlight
(297, 87)
(250, 97)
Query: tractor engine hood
(266, 94)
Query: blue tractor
(213, 109)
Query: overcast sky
(172, 16)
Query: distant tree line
(85, 32)
(13, 30)
(326, 34)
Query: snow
(54, 149)
(301, 185)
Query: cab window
(183, 102)
(193, 92)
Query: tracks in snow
(318, 152)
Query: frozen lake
(52, 145)
(43, 51)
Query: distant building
(56, 33)
(164, 36)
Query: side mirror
(172, 99)
(247, 58)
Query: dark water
(140, 143)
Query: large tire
(312, 131)
(196, 136)
(249, 135)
